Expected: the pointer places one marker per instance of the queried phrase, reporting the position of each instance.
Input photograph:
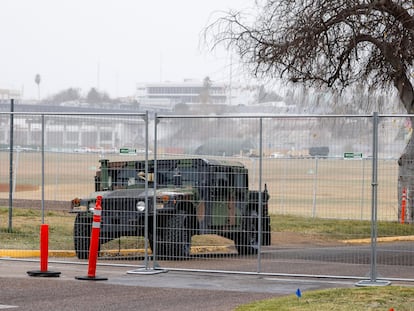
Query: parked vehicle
(319, 151)
(188, 196)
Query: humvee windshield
(182, 172)
(198, 173)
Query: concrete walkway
(129, 288)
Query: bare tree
(94, 96)
(332, 43)
(70, 94)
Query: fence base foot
(91, 278)
(146, 271)
(40, 273)
(365, 283)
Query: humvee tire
(82, 234)
(174, 240)
(247, 241)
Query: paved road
(397, 253)
(128, 288)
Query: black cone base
(91, 278)
(50, 274)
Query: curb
(20, 253)
(381, 239)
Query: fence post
(373, 281)
(11, 142)
(315, 187)
(260, 227)
(147, 269)
(44, 228)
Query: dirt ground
(296, 186)
(294, 239)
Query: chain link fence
(284, 195)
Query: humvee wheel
(81, 235)
(174, 242)
(247, 241)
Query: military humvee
(188, 196)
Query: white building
(8, 94)
(186, 92)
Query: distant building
(83, 133)
(172, 93)
(8, 94)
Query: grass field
(26, 225)
(351, 299)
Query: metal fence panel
(54, 160)
(225, 222)
(395, 249)
(317, 171)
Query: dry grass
(331, 188)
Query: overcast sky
(112, 45)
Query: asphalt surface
(135, 288)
